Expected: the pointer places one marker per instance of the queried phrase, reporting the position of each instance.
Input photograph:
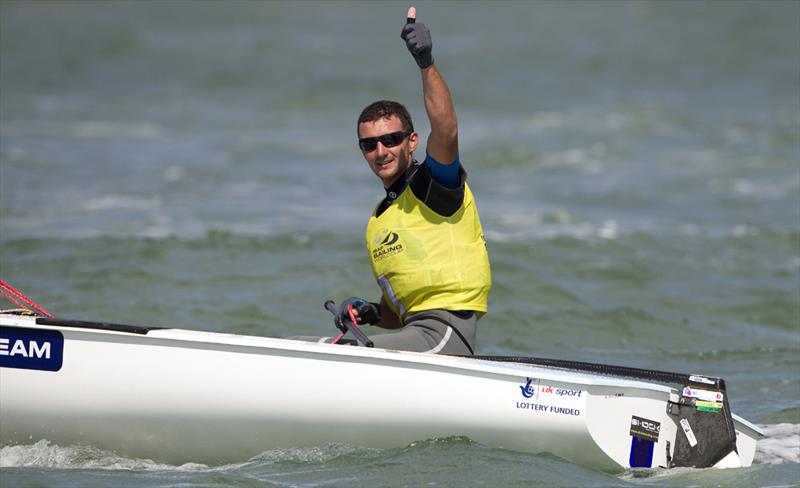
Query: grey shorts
(432, 331)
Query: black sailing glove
(419, 44)
(368, 313)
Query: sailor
(424, 239)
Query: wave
(116, 130)
(782, 444)
(44, 454)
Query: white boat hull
(181, 396)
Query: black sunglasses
(368, 144)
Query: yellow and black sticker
(703, 406)
(644, 428)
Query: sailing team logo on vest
(386, 244)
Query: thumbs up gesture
(418, 40)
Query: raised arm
(443, 139)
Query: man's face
(388, 163)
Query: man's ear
(413, 141)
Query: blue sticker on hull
(38, 349)
(641, 452)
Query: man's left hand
(364, 311)
(418, 40)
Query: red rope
(352, 314)
(12, 299)
(18, 298)
(338, 338)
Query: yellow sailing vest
(424, 261)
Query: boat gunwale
(474, 365)
(746, 423)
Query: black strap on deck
(606, 369)
(82, 324)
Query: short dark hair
(383, 109)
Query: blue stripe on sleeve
(446, 175)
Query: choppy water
(636, 166)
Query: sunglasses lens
(368, 144)
(393, 139)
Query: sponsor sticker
(641, 455)
(712, 407)
(37, 349)
(701, 379)
(530, 389)
(687, 429)
(561, 392)
(538, 407)
(704, 395)
(644, 428)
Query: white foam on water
(782, 444)
(584, 231)
(309, 455)
(121, 202)
(43, 454)
(767, 189)
(174, 173)
(112, 130)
